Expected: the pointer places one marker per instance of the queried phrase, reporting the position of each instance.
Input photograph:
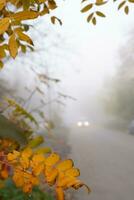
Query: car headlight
(79, 124)
(86, 123)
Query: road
(106, 160)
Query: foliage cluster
(13, 13)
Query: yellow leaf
(2, 4)
(50, 175)
(38, 158)
(13, 156)
(4, 24)
(24, 162)
(63, 181)
(65, 165)
(73, 172)
(13, 46)
(52, 159)
(24, 15)
(26, 153)
(59, 193)
(41, 1)
(24, 37)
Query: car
(83, 124)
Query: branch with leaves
(93, 8)
(13, 13)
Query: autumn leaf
(90, 17)
(86, 8)
(73, 172)
(131, 1)
(2, 4)
(100, 2)
(94, 21)
(43, 150)
(2, 52)
(1, 64)
(100, 14)
(35, 142)
(52, 4)
(121, 5)
(65, 165)
(24, 37)
(52, 159)
(44, 11)
(24, 15)
(126, 9)
(13, 46)
(4, 24)
(54, 19)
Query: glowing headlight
(86, 123)
(79, 124)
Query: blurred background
(80, 78)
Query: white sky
(98, 46)
(96, 49)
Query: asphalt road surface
(106, 160)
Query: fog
(94, 66)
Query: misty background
(90, 77)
